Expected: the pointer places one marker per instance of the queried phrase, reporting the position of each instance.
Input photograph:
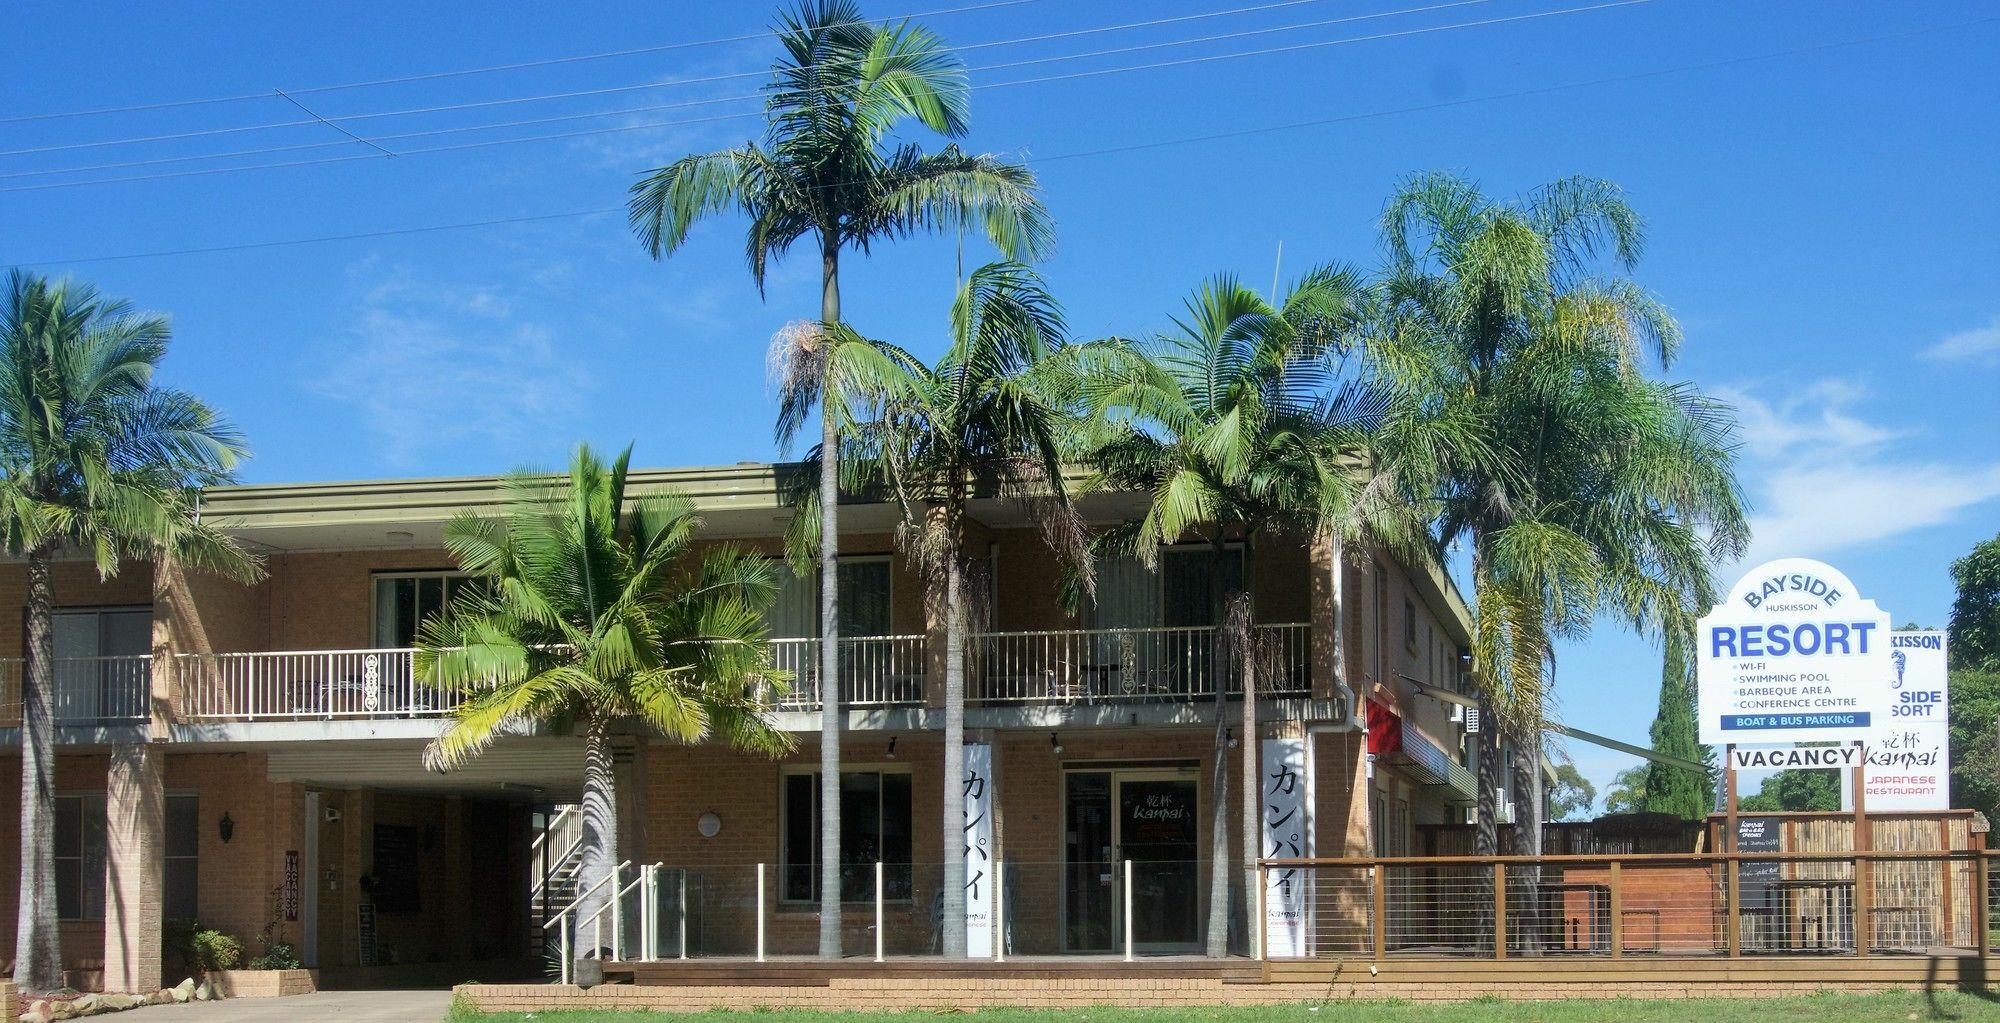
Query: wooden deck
(806, 972)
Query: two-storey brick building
(249, 756)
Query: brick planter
(263, 983)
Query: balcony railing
(1131, 665)
(87, 691)
(875, 671)
(300, 686)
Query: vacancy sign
(1909, 759)
(1794, 655)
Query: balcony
(89, 691)
(875, 671)
(319, 685)
(1080, 666)
(1161, 665)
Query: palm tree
(98, 459)
(827, 170)
(596, 614)
(990, 417)
(1240, 423)
(1532, 437)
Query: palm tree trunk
(829, 630)
(1218, 814)
(954, 748)
(598, 848)
(1253, 836)
(37, 943)
(1528, 828)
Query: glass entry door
(1150, 818)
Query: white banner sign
(1909, 760)
(1794, 655)
(979, 866)
(1285, 838)
(1803, 758)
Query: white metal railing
(595, 920)
(875, 671)
(306, 685)
(1110, 665)
(87, 690)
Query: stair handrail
(616, 905)
(571, 908)
(575, 846)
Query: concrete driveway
(321, 1007)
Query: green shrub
(278, 955)
(199, 949)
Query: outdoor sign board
(1757, 835)
(1284, 813)
(979, 866)
(1794, 655)
(1909, 758)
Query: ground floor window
(875, 826)
(82, 846)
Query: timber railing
(1881, 903)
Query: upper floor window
(1410, 624)
(404, 599)
(1181, 593)
(865, 599)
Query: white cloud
(1821, 478)
(1980, 345)
(427, 366)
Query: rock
(61, 1009)
(34, 1016)
(84, 1005)
(204, 992)
(117, 1002)
(183, 991)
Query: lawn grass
(1827, 1008)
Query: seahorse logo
(1902, 660)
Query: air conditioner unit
(1471, 815)
(1458, 713)
(1470, 719)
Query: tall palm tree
(1241, 422)
(991, 417)
(1532, 436)
(596, 614)
(99, 459)
(827, 170)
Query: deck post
(618, 913)
(647, 881)
(1864, 868)
(1980, 906)
(1128, 911)
(878, 911)
(1499, 910)
(1732, 892)
(1617, 920)
(760, 912)
(1378, 929)
(564, 929)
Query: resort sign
(1794, 655)
(1909, 759)
(1285, 828)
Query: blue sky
(1821, 220)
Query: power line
(1081, 154)
(1069, 76)
(523, 65)
(712, 101)
(640, 87)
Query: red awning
(1385, 729)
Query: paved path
(323, 1007)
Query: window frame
(377, 577)
(785, 865)
(844, 560)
